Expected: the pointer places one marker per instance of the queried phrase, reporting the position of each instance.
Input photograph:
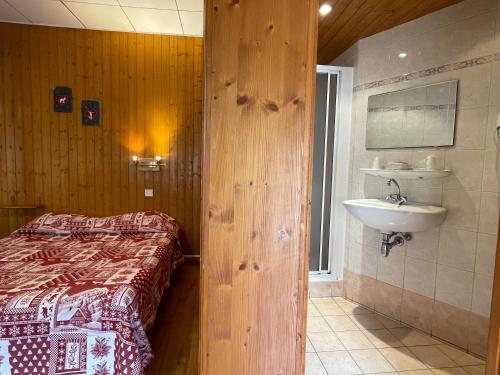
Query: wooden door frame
(493, 361)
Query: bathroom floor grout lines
(344, 338)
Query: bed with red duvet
(77, 294)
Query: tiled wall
(440, 281)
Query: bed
(78, 294)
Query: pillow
(147, 221)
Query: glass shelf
(409, 174)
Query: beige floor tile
(330, 308)
(411, 337)
(389, 323)
(339, 363)
(340, 299)
(309, 347)
(459, 356)
(325, 342)
(371, 361)
(313, 365)
(367, 321)
(382, 338)
(416, 372)
(387, 373)
(317, 324)
(450, 371)
(402, 359)
(354, 340)
(432, 356)
(475, 370)
(312, 310)
(321, 300)
(352, 308)
(341, 323)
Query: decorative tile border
(406, 108)
(430, 71)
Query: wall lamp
(148, 164)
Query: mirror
(417, 117)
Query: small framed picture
(63, 99)
(90, 113)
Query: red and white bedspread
(77, 294)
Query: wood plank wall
(149, 88)
(259, 99)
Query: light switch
(148, 192)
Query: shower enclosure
(330, 169)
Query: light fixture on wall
(148, 164)
(402, 55)
(325, 9)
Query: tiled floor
(347, 339)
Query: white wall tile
(491, 178)
(495, 84)
(463, 209)
(485, 254)
(492, 139)
(488, 220)
(467, 168)
(363, 260)
(474, 87)
(420, 277)
(481, 297)
(424, 245)
(391, 269)
(454, 286)
(471, 128)
(457, 248)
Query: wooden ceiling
(352, 20)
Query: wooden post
(260, 59)
(493, 363)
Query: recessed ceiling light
(402, 55)
(325, 9)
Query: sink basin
(389, 217)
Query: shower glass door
(321, 199)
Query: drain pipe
(387, 244)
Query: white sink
(389, 217)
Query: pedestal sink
(389, 217)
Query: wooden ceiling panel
(352, 20)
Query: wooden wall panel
(149, 88)
(259, 100)
(493, 360)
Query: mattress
(78, 294)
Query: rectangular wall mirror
(418, 117)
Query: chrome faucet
(396, 198)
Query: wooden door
(258, 100)
(493, 363)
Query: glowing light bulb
(325, 9)
(402, 55)
(135, 158)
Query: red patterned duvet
(77, 294)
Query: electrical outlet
(148, 192)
